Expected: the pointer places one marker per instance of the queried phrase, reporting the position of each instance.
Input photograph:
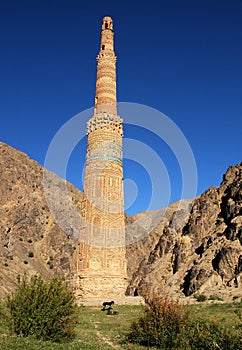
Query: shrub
(50, 262)
(206, 335)
(42, 309)
(161, 325)
(215, 297)
(166, 325)
(51, 266)
(200, 297)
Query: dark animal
(108, 304)
(112, 313)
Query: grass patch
(223, 314)
(97, 331)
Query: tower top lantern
(107, 23)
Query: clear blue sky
(182, 58)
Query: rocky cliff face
(192, 246)
(200, 255)
(31, 239)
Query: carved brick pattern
(108, 126)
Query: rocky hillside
(196, 246)
(31, 240)
(192, 246)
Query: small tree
(43, 309)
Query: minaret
(101, 267)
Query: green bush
(166, 325)
(161, 325)
(200, 297)
(206, 335)
(215, 297)
(43, 309)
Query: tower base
(96, 287)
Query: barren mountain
(196, 246)
(192, 246)
(31, 239)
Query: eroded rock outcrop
(203, 255)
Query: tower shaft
(101, 260)
(105, 98)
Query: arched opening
(103, 47)
(106, 25)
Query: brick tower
(101, 263)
